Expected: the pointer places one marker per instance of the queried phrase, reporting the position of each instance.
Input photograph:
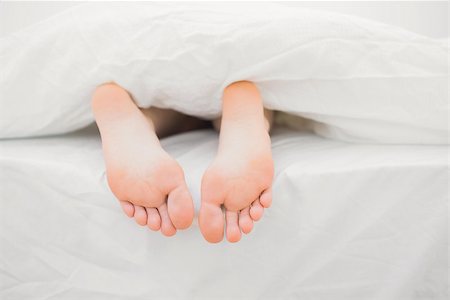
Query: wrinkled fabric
(347, 222)
(358, 80)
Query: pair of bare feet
(150, 184)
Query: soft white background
(424, 17)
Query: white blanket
(347, 222)
(357, 80)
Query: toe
(180, 207)
(127, 208)
(167, 227)
(233, 231)
(140, 215)
(256, 210)
(245, 221)
(153, 218)
(210, 221)
(266, 198)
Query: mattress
(348, 221)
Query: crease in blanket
(356, 80)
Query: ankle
(242, 103)
(112, 99)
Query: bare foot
(149, 183)
(240, 177)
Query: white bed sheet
(348, 222)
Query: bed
(349, 221)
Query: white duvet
(357, 80)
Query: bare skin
(240, 177)
(150, 185)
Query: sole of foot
(240, 178)
(149, 184)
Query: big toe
(211, 222)
(180, 207)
